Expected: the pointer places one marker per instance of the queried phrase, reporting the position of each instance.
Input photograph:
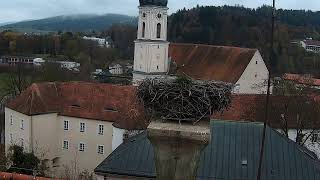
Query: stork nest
(184, 99)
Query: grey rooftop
(233, 153)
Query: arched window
(158, 30)
(143, 29)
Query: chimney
(177, 148)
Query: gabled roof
(105, 102)
(207, 62)
(231, 143)
(37, 99)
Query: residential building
(70, 65)
(102, 42)
(72, 124)
(155, 57)
(232, 153)
(14, 60)
(116, 69)
(311, 45)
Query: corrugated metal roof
(233, 154)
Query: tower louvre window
(158, 30)
(143, 29)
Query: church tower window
(143, 29)
(158, 30)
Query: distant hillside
(81, 22)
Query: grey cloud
(16, 10)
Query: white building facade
(151, 46)
(63, 142)
(49, 119)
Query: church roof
(153, 2)
(207, 62)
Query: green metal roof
(232, 154)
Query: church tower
(151, 46)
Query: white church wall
(254, 78)
(151, 57)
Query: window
(66, 125)
(82, 127)
(159, 16)
(158, 30)
(314, 137)
(22, 125)
(157, 67)
(11, 120)
(143, 29)
(81, 147)
(256, 62)
(144, 15)
(65, 144)
(100, 149)
(101, 129)
(55, 162)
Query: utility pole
(266, 121)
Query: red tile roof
(312, 42)
(119, 104)
(252, 108)
(209, 62)
(14, 176)
(96, 101)
(302, 79)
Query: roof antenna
(266, 121)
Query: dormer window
(75, 106)
(109, 109)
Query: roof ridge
(211, 45)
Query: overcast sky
(17, 10)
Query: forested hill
(245, 27)
(78, 23)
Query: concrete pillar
(177, 148)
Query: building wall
(45, 137)
(151, 57)
(151, 51)
(15, 131)
(45, 133)
(89, 159)
(117, 137)
(254, 78)
(151, 20)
